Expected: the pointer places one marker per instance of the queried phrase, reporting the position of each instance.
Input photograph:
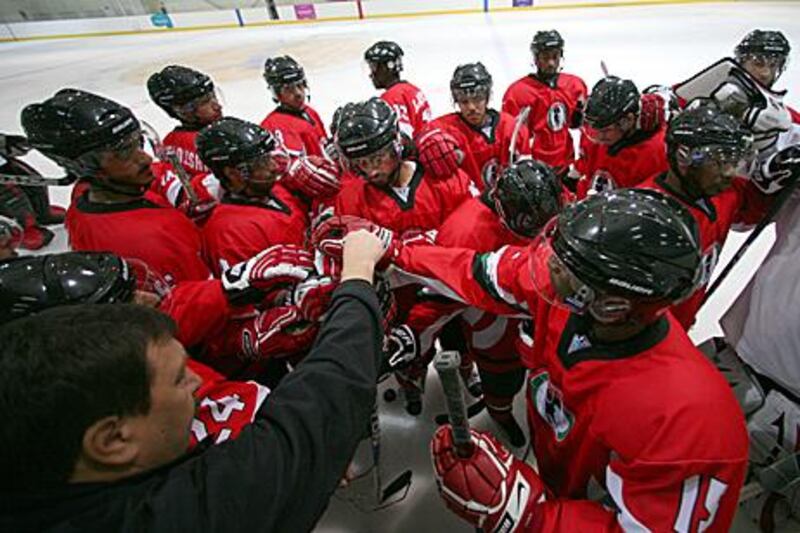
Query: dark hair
(61, 371)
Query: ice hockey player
(255, 211)
(707, 150)
(28, 205)
(484, 134)
(190, 97)
(625, 413)
(127, 451)
(32, 284)
(384, 185)
(295, 124)
(385, 61)
(523, 199)
(98, 139)
(615, 151)
(556, 100)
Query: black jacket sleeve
(279, 474)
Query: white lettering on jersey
(689, 503)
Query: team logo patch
(549, 404)
(557, 116)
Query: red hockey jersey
(411, 106)
(551, 115)
(625, 164)
(648, 423)
(147, 228)
(240, 227)
(742, 203)
(302, 132)
(422, 205)
(486, 149)
(181, 142)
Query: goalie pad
(760, 109)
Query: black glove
(400, 349)
(778, 170)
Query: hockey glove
(400, 349)
(246, 282)
(778, 170)
(277, 332)
(313, 295)
(439, 152)
(491, 489)
(312, 176)
(328, 237)
(657, 104)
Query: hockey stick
(522, 118)
(36, 181)
(446, 364)
(399, 483)
(472, 410)
(604, 68)
(770, 215)
(164, 153)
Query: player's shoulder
(567, 80)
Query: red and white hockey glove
(246, 282)
(312, 176)
(277, 332)
(329, 236)
(313, 295)
(491, 489)
(657, 104)
(778, 170)
(439, 152)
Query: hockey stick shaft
(522, 118)
(375, 441)
(41, 181)
(604, 68)
(769, 217)
(446, 364)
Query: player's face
(293, 95)
(380, 75)
(473, 109)
(548, 61)
(264, 172)
(378, 168)
(165, 428)
(127, 162)
(207, 109)
(7, 251)
(610, 134)
(765, 69)
(714, 177)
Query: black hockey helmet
(73, 125)
(703, 132)
(176, 85)
(470, 80)
(365, 128)
(628, 252)
(610, 100)
(767, 43)
(387, 53)
(546, 40)
(232, 142)
(526, 196)
(32, 284)
(283, 70)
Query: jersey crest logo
(549, 403)
(489, 173)
(601, 181)
(557, 116)
(708, 262)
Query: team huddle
(568, 275)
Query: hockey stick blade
(400, 482)
(472, 410)
(37, 181)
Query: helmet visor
(552, 279)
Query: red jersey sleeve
(199, 308)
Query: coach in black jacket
(98, 404)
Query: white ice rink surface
(657, 44)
